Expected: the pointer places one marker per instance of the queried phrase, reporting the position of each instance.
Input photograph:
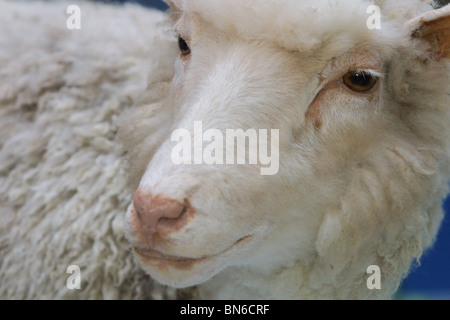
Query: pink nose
(160, 215)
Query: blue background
(431, 280)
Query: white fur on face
(348, 160)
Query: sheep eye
(360, 81)
(184, 48)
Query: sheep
(86, 136)
(363, 119)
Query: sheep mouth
(152, 255)
(156, 255)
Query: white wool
(63, 193)
(303, 24)
(366, 190)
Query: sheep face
(352, 153)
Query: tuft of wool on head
(303, 24)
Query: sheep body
(63, 193)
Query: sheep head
(362, 117)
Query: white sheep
(364, 148)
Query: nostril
(173, 215)
(159, 212)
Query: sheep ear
(174, 4)
(434, 27)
